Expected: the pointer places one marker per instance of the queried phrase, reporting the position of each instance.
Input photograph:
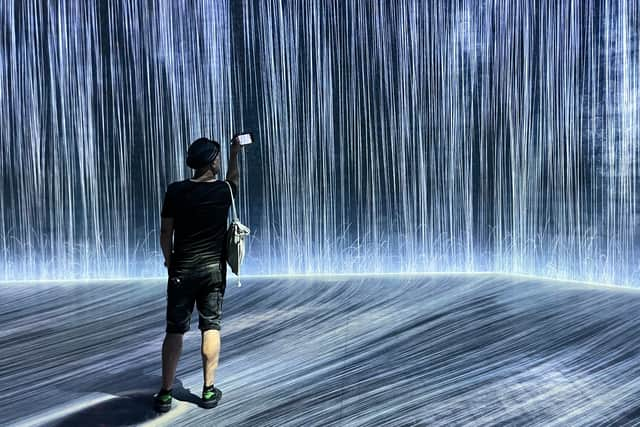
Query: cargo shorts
(205, 289)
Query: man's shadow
(133, 401)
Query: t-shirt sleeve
(167, 206)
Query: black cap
(202, 152)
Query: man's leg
(210, 351)
(171, 349)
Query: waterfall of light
(98, 105)
(438, 136)
(390, 136)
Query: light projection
(390, 136)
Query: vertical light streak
(391, 136)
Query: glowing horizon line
(311, 275)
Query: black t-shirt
(199, 211)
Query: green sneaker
(210, 397)
(162, 402)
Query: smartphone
(244, 138)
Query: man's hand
(236, 147)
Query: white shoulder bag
(235, 239)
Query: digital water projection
(406, 136)
(442, 197)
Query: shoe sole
(162, 408)
(210, 404)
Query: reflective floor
(472, 350)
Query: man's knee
(210, 343)
(210, 336)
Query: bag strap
(233, 202)
(235, 216)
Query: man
(192, 237)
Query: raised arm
(233, 174)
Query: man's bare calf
(210, 351)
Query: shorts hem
(175, 331)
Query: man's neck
(205, 177)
